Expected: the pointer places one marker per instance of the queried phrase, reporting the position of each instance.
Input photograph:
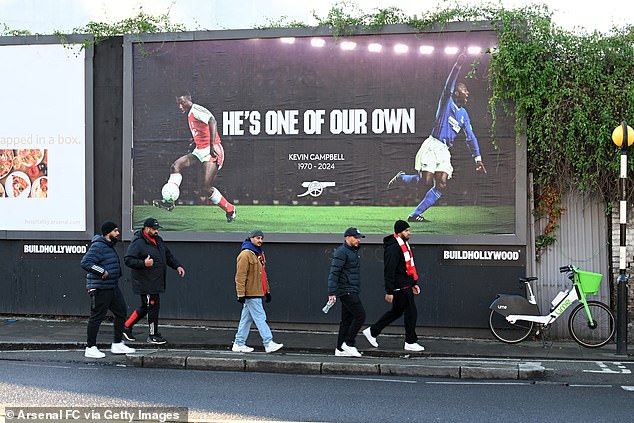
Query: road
(596, 394)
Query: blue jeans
(253, 311)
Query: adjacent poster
(42, 138)
(313, 134)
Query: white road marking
(604, 368)
(624, 370)
(368, 379)
(478, 383)
(590, 386)
(628, 388)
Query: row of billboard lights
(377, 48)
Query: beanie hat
(108, 227)
(400, 226)
(256, 232)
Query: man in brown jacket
(252, 288)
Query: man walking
(101, 261)
(344, 282)
(401, 279)
(148, 257)
(252, 288)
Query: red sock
(220, 200)
(132, 319)
(225, 205)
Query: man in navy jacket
(344, 282)
(102, 264)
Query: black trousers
(150, 306)
(352, 318)
(403, 304)
(102, 300)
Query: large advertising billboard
(44, 186)
(312, 134)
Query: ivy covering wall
(567, 89)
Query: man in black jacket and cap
(401, 286)
(344, 283)
(149, 257)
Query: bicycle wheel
(507, 332)
(592, 335)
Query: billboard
(310, 134)
(44, 184)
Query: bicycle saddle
(528, 279)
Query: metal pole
(621, 312)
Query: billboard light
(400, 48)
(426, 49)
(451, 50)
(375, 47)
(317, 42)
(288, 40)
(348, 45)
(474, 50)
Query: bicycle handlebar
(564, 269)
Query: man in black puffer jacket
(344, 282)
(102, 264)
(149, 257)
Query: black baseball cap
(151, 222)
(353, 232)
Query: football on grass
(170, 192)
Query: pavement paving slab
(308, 349)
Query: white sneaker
(121, 348)
(368, 335)
(414, 347)
(241, 348)
(351, 350)
(272, 347)
(93, 352)
(342, 353)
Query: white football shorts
(204, 155)
(433, 156)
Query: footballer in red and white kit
(203, 127)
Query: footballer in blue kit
(433, 159)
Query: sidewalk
(308, 349)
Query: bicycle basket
(589, 281)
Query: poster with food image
(39, 138)
(24, 173)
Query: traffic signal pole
(622, 280)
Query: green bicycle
(591, 323)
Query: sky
(48, 16)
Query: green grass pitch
(330, 219)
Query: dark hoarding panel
(44, 277)
(303, 136)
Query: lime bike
(591, 323)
